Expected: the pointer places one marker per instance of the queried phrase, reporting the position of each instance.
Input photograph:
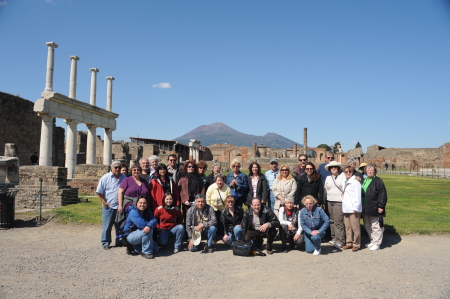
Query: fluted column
(109, 93)
(50, 62)
(107, 147)
(91, 156)
(46, 146)
(93, 85)
(73, 77)
(71, 147)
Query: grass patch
(89, 212)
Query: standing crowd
(301, 207)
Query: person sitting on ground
(200, 219)
(231, 219)
(314, 223)
(352, 208)
(140, 222)
(215, 197)
(288, 217)
(257, 185)
(260, 222)
(211, 176)
(169, 223)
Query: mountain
(221, 133)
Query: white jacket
(352, 196)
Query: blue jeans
(312, 242)
(271, 203)
(176, 231)
(143, 242)
(236, 234)
(108, 219)
(208, 234)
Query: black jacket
(376, 197)
(308, 188)
(262, 189)
(228, 221)
(209, 180)
(265, 215)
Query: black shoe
(147, 256)
(130, 250)
(208, 249)
(107, 247)
(285, 250)
(269, 250)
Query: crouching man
(260, 222)
(201, 219)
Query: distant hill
(221, 133)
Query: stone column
(73, 77)
(71, 147)
(305, 141)
(197, 152)
(45, 149)
(50, 62)
(91, 156)
(295, 150)
(93, 85)
(191, 156)
(109, 93)
(107, 147)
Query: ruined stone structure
(87, 176)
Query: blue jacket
(319, 220)
(241, 179)
(136, 221)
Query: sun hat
(362, 165)
(333, 163)
(196, 237)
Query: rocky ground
(67, 261)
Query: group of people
(301, 207)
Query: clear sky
(377, 72)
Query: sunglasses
(284, 169)
(330, 158)
(348, 172)
(301, 160)
(172, 160)
(190, 167)
(335, 167)
(236, 166)
(117, 167)
(309, 168)
(200, 167)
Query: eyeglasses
(284, 169)
(200, 167)
(308, 204)
(172, 160)
(301, 160)
(330, 158)
(117, 167)
(236, 166)
(136, 170)
(348, 172)
(190, 166)
(309, 168)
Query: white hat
(196, 237)
(331, 164)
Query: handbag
(245, 248)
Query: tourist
(362, 168)
(271, 175)
(284, 185)
(352, 163)
(107, 191)
(322, 167)
(309, 183)
(374, 199)
(260, 222)
(211, 176)
(154, 160)
(231, 219)
(124, 170)
(288, 217)
(145, 169)
(216, 196)
(131, 189)
(314, 223)
(300, 170)
(238, 182)
(201, 169)
(34, 159)
(352, 208)
(141, 223)
(173, 168)
(257, 185)
(201, 220)
(387, 166)
(334, 191)
(189, 185)
(169, 222)
(160, 185)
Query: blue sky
(377, 72)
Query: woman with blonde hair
(314, 223)
(283, 186)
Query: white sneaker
(368, 245)
(332, 242)
(374, 247)
(337, 245)
(316, 252)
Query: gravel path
(67, 261)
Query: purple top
(131, 189)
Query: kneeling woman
(288, 216)
(231, 219)
(141, 222)
(314, 223)
(170, 223)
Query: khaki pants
(352, 229)
(373, 229)
(336, 222)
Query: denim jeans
(208, 234)
(235, 235)
(272, 201)
(176, 231)
(312, 242)
(108, 219)
(143, 242)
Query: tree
(325, 146)
(358, 145)
(335, 147)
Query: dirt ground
(67, 261)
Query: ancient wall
(87, 177)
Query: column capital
(71, 121)
(110, 78)
(91, 126)
(52, 45)
(45, 115)
(74, 57)
(94, 70)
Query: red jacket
(168, 219)
(157, 193)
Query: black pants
(289, 237)
(258, 237)
(219, 225)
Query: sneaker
(368, 245)
(211, 250)
(337, 245)
(107, 247)
(147, 256)
(269, 250)
(374, 247)
(332, 242)
(176, 250)
(208, 249)
(317, 252)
